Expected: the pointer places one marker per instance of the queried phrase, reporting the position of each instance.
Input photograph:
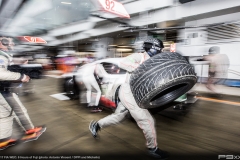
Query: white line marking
(60, 96)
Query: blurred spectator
(218, 67)
(67, 62)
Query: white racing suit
(86, 75)
(10, 102)
(128, 104)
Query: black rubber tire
(117, 100)
(71, 88)
(161, 79)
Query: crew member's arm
(131, 62)
(6, 75)
(100, 71)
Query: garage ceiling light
(66, 3)
(125, 46)
(123, 50)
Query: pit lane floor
(204, 130)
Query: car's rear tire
(117, 100)
(162, 79)
(70, 88)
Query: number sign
(32, 39)
(114, 7)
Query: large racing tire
(70, 88)
(161, 79)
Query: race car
(109, 84)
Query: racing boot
(94, 128)
(157, 153)
(33, 134)
(7, 143)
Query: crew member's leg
(97, 88)
(144, 120)
(115, 118)
(20, 111)
(23, 119)
(6, 123)
(87, 83)
(142, 116)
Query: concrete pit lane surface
(203, 130)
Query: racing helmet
(153, 46)
(214, 50)
(6, 42)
